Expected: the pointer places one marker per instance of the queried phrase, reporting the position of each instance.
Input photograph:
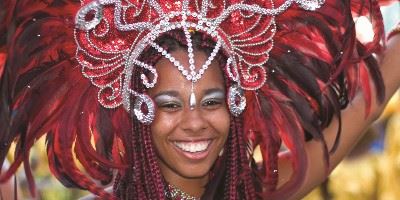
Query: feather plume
(315, 69)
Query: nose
(193, 121)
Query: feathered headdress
(298, 62)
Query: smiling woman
(192, 120)
(170, 99)
(188, 140)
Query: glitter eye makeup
(213, 98)
(168, 101)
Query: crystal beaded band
(111, 35)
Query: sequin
(81, 18)
(142, 117)
(236, 100)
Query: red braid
(155, 172)
(245, 174)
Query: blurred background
(371, 171)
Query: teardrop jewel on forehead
(112, 34)
(192, 98)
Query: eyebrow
(214, 90)
(171, 93)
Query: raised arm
(354, 124)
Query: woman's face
(188, 141)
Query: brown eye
(170, 106)
(212, 103)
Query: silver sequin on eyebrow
(164, 98)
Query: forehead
(170, 78)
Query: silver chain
(175, 193)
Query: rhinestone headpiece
(111, 35)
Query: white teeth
(192, 147)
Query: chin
(195, 171)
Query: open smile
(193, 150)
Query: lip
(195, 156)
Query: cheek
(161, 126)
(164, 121)
(221, 122)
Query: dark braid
(146, 178)
(130, 183)
(134, 177)
(233, 167)
(244, 161)
(153, 165)
(245, 182)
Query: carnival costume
(291, 66)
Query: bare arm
(7, 189)
(353, 125)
